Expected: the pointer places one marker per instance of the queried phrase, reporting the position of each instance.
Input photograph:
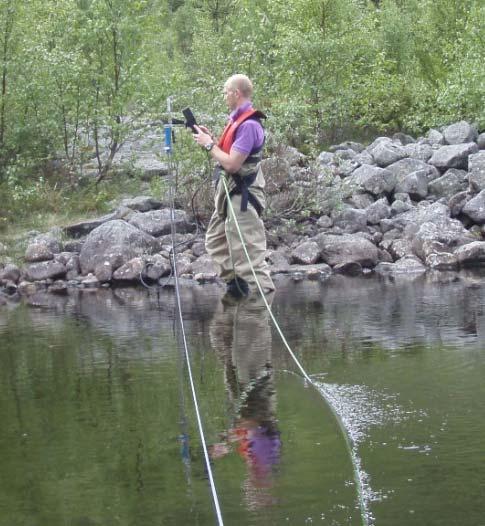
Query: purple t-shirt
(250, 134)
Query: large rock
(350, 220)
(10, 273)
(378, 211)
(347, 145)
(385, 152)
(476, 166)
(277, 172)
(83, 228)
(183, 264)
(347, 248)
(360, 200)
(449, 184)
(130, 271)
(424, 212)
(292, 155)
(459, 133)
(279, 261)
(475, 208)
(159, 222)
(435, 137)
(42, 248)
(415, 184)
(472, 254)
(444, 235)
(398, 248)
(306, 253)
(403, 138)
(401, 169)
(115, 240)
(142, 203)
(458, 201)
(373, 179)
(481, 141)
(419, 151)
(406, 265)
(156, 267)
(442, 261)
(453, 156)
(400, 206)
(45, 270)
(204, 265)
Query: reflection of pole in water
(241, 336)
(184, 438)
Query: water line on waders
(357, 472)
(168, 151)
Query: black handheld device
(190, 121)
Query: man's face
(231, 97)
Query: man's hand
(203, 136)
(231, 162)
(205, 130)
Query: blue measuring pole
(167, 128)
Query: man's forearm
(230, 163)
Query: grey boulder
(347, 248)
(306, 253)
(459, 133)
(117, 241)
(159, 222)
(476, 176)
(385, 152)
(453, 156)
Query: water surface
(98, 426)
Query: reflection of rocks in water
(241, 336)
(397, 310)
(393, 310)
(125, 313)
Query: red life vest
(229, 134)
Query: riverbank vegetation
(77, 75)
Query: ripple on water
(359, 409)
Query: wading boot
(237, 288)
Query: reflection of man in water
(241, 336)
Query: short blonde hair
(242, 83)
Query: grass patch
(42, 204)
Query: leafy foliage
(76, 74)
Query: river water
(97, 424)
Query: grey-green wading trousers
(224, 245)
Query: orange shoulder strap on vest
(229, 133)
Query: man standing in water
(238, 155)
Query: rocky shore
(399, 205)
